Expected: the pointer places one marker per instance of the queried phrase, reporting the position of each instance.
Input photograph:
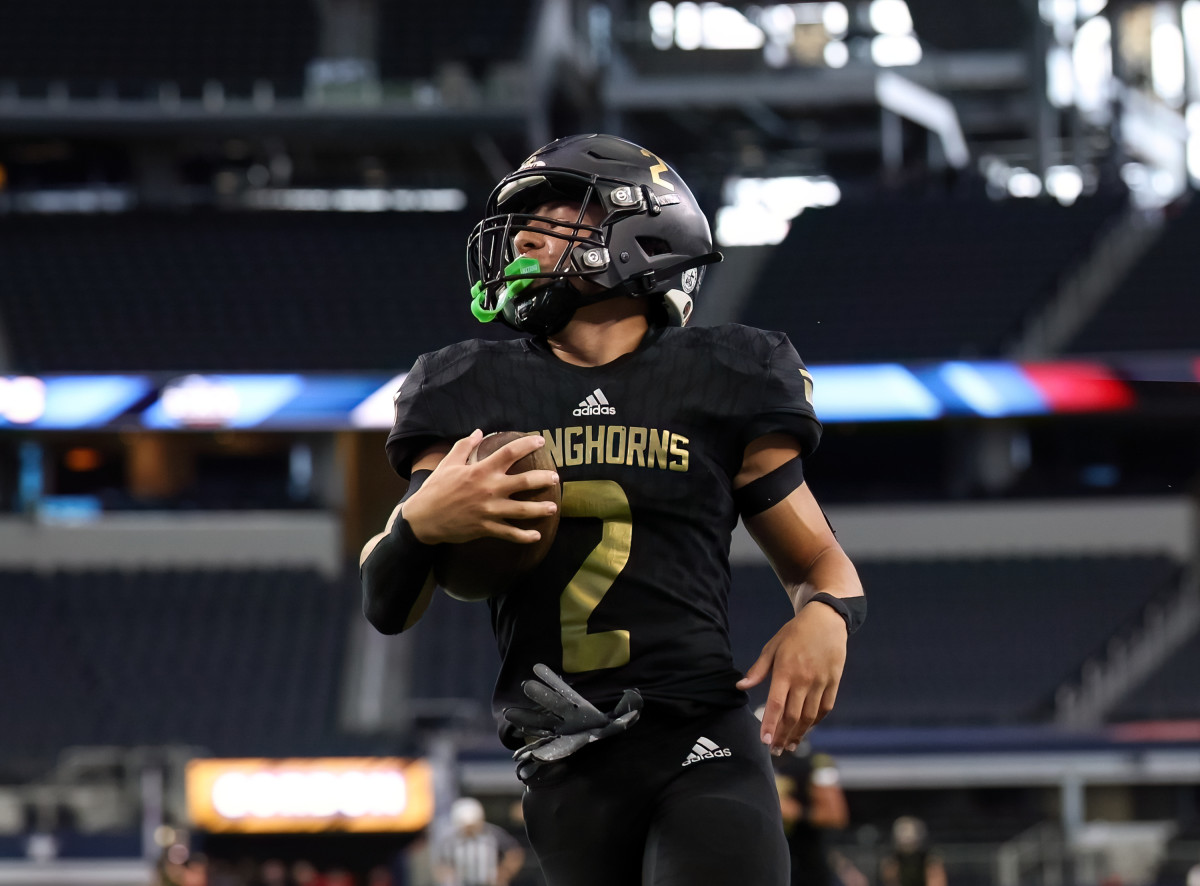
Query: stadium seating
(481, 36)
(939, 277)
(965, 642)
(931, 623)
(1155, 308)
(1170, 692)
(276, 291)
(237, 662)
(131, 46)
(233, 292)
(454, 658)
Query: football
(484, 567)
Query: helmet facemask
(515, 286)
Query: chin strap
(678, 303)
(644, 283)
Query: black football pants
(671, 802)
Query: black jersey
(633, 592)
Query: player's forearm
(802, 548)
(397, 580)
(830, 572)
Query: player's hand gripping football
(805, 660)
(460, 502)
(564, 721)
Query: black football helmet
(651, 239)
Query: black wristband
(853, 610)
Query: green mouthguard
(519, 267)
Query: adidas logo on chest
(706, 749)
(594, 403)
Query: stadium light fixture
(689, 26)
(1189, 19)
(771, 27)
(836, 18)
(1165, 185)
(727, 28)
(1167, 71)
(1064, 184)
(778, 21)
(837, 54)
(1150, 187)
(749, 226)
(895, 51)
(662, 25)
(1024, 184)
(935, 112)
(22, 399)
(891, 18)
(1055, 11)
(1060, 77)
(778, 24)
(1158, 137)
(1193, 143)
(1091, 58)
(758, 211)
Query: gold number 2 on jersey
(583, 651)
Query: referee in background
(475, 852)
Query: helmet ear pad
(678, 306)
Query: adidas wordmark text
(705, 749)
(594, 403)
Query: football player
(641, 758)
(812, 803)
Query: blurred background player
(595, 248)
(475, 852)
(911, 862)
(811, 802)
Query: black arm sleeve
(397, 576)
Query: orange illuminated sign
(365, 794)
